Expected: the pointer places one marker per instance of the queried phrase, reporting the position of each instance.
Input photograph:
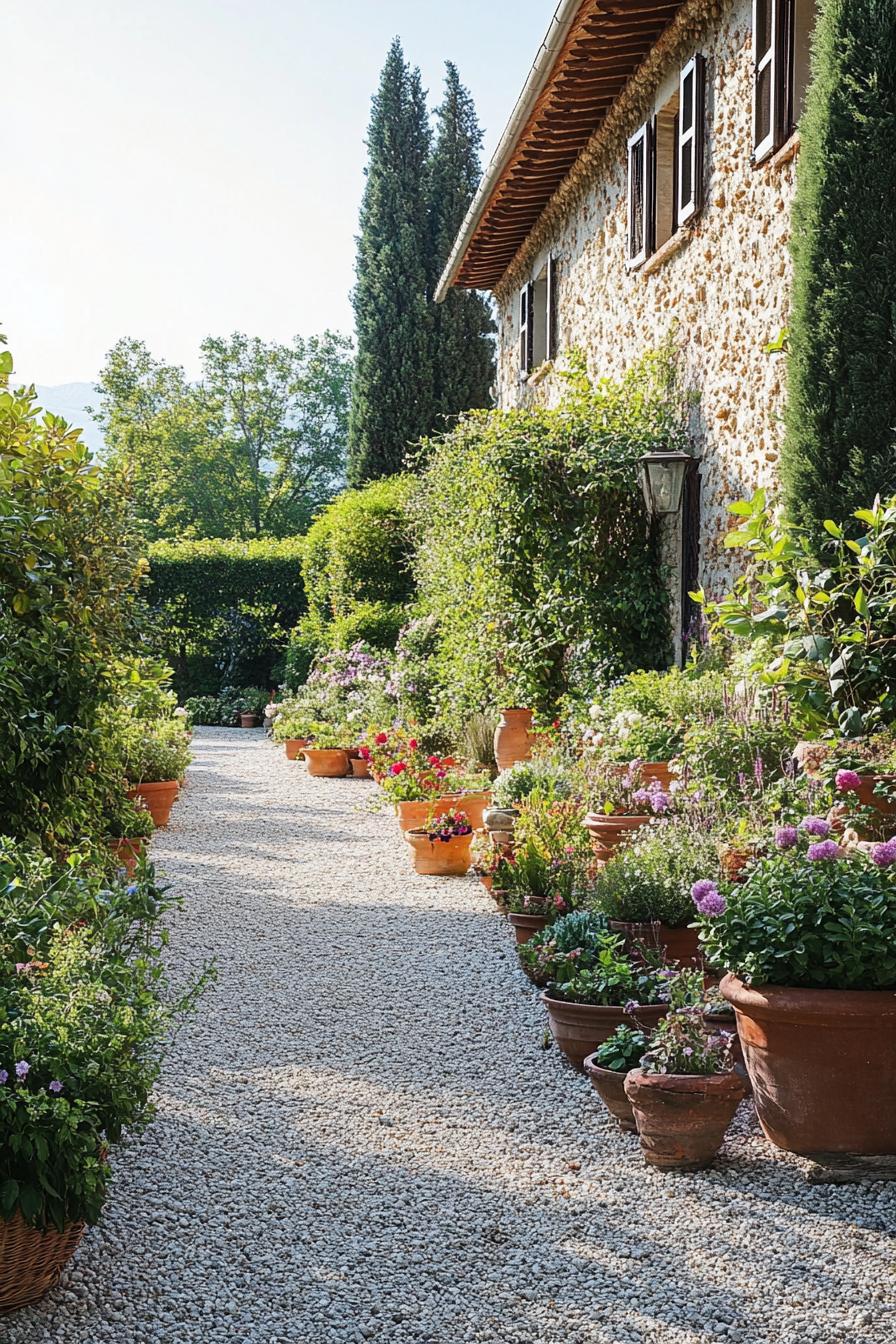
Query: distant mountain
(70, 400)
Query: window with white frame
(782, 30)
(538, 318)
(665, 165)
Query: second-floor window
(781, 33)
(665, 166)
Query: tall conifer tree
(463, 345)
(392, 391)
(840, 445)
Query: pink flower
(433, 760)
(815, 826)
(848, 780)
(412, 744)
(381, 739)
(398, 768)
(364, 753)
(826, 849)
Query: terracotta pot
(474, 805)
(31, 1261)
(159, 798)
(734, 862)
(681, 945)
(412, 816)
(822, 1063)
(499, 896)
(294, 747)
(682, 1118)
(127, 851)
(524, 926)
(608, 832)
(579, 1028)
(610, 1087)
(868, 798)
(249, 720)
(486, 879)
(326, 763)
(660, 771)
(360, 767)
(440, 858)
(513, 738)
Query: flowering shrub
(680, 1043)
(153, 750)
(448, 826)
(814, 914)
(742, 749)
(625, 791)
(548, 775)
(651, 877)
(644, 716)
(407, 772)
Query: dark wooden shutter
(551, 316)
(640, 195)
(689, 140)
(773, 24)
(527, 305)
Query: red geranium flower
(433, 760)
(364, 753)
(398, 767)
(381, 739)
(412, 744)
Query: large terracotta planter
(608, 832)
(127, 852)
(610, 1087)
(159, 798)
(360, 767)
(579, 1028)
(31, 1262)
(681, 945)
(440, 858)
(513, 737)
(412, 816)
(526, 926)
(326, 763)
(294, 747)
(822, 1063)
(682, 1118)
(473, 805)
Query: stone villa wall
(720, 287)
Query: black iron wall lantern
(663, 477)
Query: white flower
(594, 711)
(180, 712)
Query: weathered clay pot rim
(620, 924)
(597, 820)
(516, 709)
(599, 1009)
(590, 1067)
(793, 1003)
(527, 921)
(326, 751)
(154, 784)
(687, 1082)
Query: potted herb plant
(294, 728)
(607, 1068)
(442, 848)
(685, 1092)
(552, 952)
(129, 825)
(623, 802)
(326, 756)
(551, 868)
(809, 941)
(155, 755)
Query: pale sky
(190, 167)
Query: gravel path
(362, 1137)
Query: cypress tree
(392, 390)
(463, 346)
(840, 442)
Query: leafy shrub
(533, 550)
(650, 878)
(204, 709)
(154, 750)
(548, 776)
(644, 716)
(605, 976)
(128, 819)
(813, 915)
(621, 1051)
(222, 610)
(554, 952)
(374, 623)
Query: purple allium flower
(55, 1086)
(786, 837)
(713, 903)
(659, 801)
(885, 854)
(22, 1068)
(640, 796)
(848, 780)
(702, 889)
(815, 826)
(3, 1076)
(826, 849)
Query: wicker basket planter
(32, 1261)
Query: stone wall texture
(722, 292)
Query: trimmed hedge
(223, 610)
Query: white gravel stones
(362, 1137)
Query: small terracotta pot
(487, 880)
(127, 852)
(822, 1063)
(610, 1087)
(294, 747)
(682, 1118)
(440, 858)
(681, 945)
(326, 763)
(579, 1028)
(525, 926)
(513, 737)
(360, 767)
(249, 720)
(609, 832)
(159, 798)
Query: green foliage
(680, 1043)
(223, 610)
(651, 877)
(814, 924)
(85, 1011)
(621, 1051)
(549, 776)
(840, 447)
(534, 553)
(602, 974)
(823, 630)
(644, 717)
(392, 392)
(738, 753)
(554, 952)
(463, 330)
(153, 750)
(551, 869)
(69, 575)
(224, 709)
(251, 450)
